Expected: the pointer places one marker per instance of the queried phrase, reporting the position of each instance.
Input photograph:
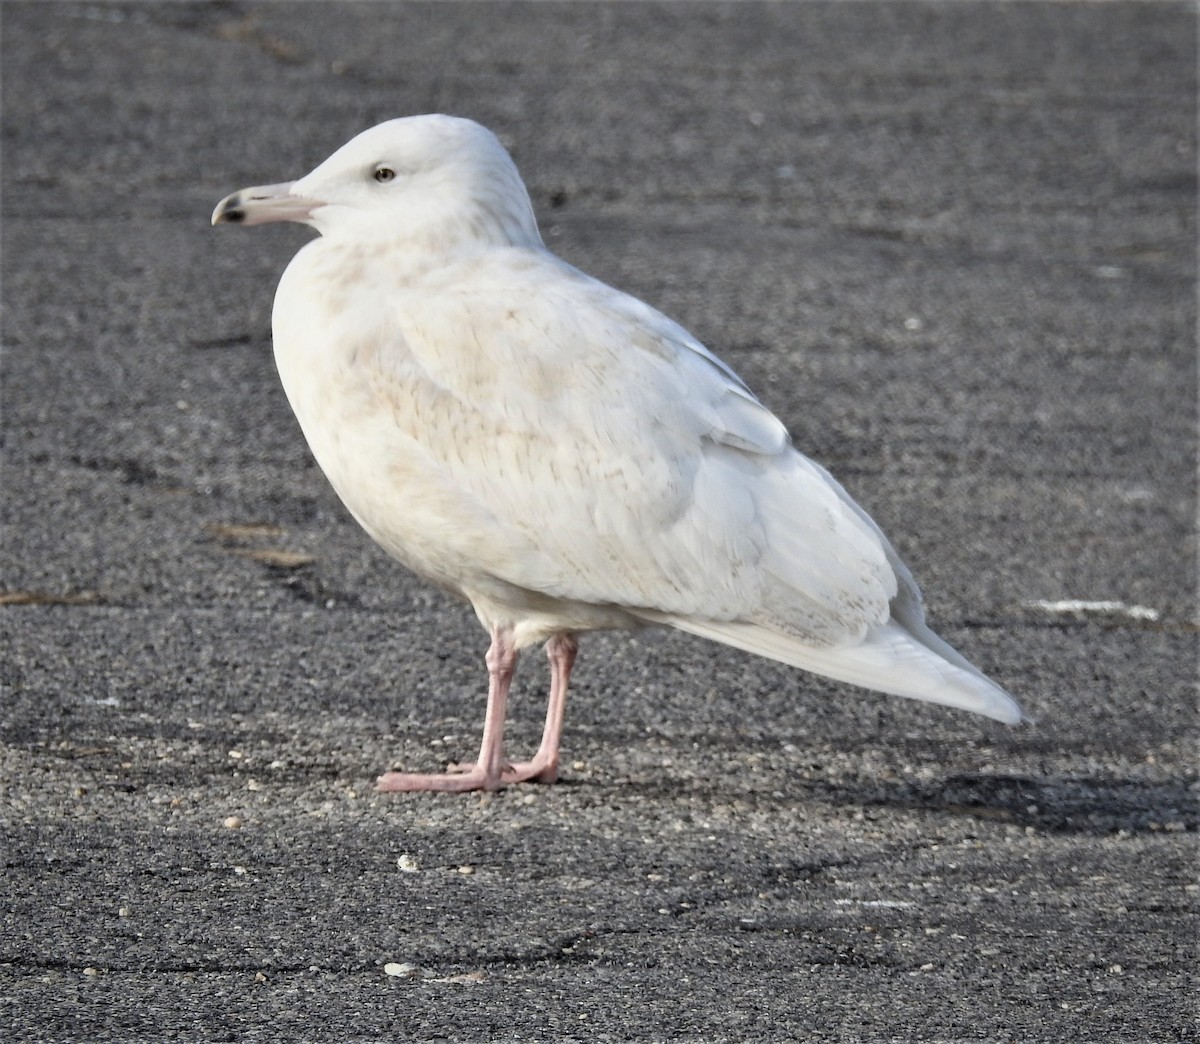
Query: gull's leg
(543, 766)
(488, 772)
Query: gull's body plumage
(556, 452)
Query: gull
(556, 452)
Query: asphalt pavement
(952, 245)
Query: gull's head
(430, 181)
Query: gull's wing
(636, 467)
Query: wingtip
(994, 702)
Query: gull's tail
(903, 659)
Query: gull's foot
(468, 775)
(538, 770)
(453, 782)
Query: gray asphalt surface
(951, 245)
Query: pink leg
(487, 772)
(543, 766)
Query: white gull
(556, 452)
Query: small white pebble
(233, 823)
(235, 754)
(239, 870)
(1115, 969)
(91, 971)
(466, 870)
(253, 784)
(401, 971)
(913, 323)
(259, 977)
(124, 911)
(408, 864)
(926, 967)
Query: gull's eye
(384, 174)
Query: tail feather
(901, 660)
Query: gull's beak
(263, 203)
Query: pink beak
(263, 203)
